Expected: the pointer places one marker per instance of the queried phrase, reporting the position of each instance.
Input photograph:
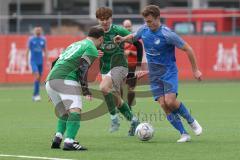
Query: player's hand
(89, 97)
(198, 75)
(100, 53)
(118, 39)
(127, 52)
(140, 74)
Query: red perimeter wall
(217, 56)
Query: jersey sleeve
(173, 38)
(138, 34)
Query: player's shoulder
(143, 28)
(87, 43)
(43, 38)
(167, 32)
(165, 28)
(31, 38)
(117, 28)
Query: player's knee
(163, 104)
(119, 102)
(77, 110)
(165, 107)
(37, 76)
(104, 89)
(170, 102)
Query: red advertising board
(217, 56)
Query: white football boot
(114, 123)
(37, 98)
(197, 129)
(184, 138)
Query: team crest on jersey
(157, 41)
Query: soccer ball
(144, 131)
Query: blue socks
(182, 110)
(36, 88)
(176, 122)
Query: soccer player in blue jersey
(159, 43)
(36, 47)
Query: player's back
(68, 63)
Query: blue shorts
(162, 80)
(37, 68)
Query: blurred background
(212, 27)
(75, 16)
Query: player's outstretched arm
(119, 39)
(191, 56)
(139, 47)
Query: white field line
(198, 100)
(6, 100)
(31, 157)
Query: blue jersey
(160, 53)
(160, 45)
(36, 46)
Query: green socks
(110, 103)
(73, 124)
(61, 124)
(125, 110)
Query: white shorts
(65, 95)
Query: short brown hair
(96, 32)
(103, 13)
(152, 10)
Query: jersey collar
(109, 28)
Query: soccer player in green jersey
(63, 86)
(114, 69)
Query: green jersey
(113, 53)
(67, 66)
